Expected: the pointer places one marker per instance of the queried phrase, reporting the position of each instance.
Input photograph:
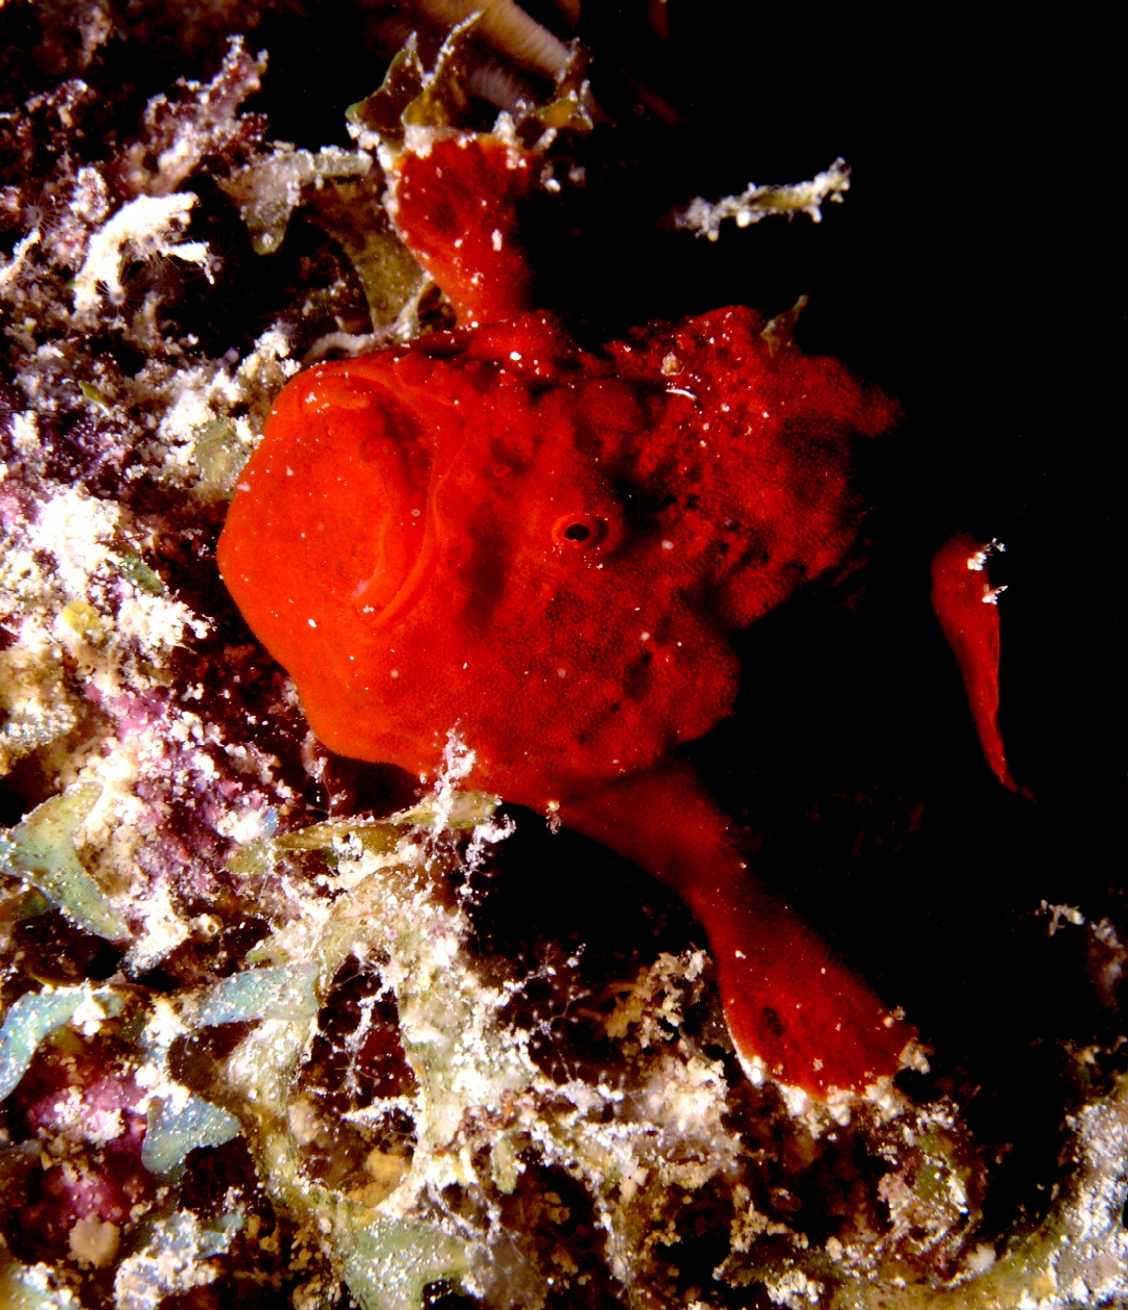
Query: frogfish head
(542, 546)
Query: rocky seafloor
(279, 1028)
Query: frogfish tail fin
(965, 605)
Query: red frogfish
(549, 547)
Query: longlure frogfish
(550, 547)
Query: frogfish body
(544, 545)
(548, 547)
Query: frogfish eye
(579, 531)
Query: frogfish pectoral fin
(965, 605)
(788, 1001)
